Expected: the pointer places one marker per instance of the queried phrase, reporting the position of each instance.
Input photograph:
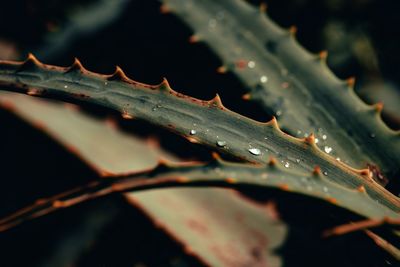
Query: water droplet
(251, 64)
(193, 132)
(105, 83)
(324, 137)
(278, 112)
(266, 138)
(287, 164)
(221, 143)
(298, 132)
(338, 159)
(372, 135)
(263, 79)
(316, 140)
(298, 160)
(255, 151)
(325, 189)
(325, 173)
(327, 149)
(65, 86)
(156, 107)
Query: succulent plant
(324, 142)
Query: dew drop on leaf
(221, 143)
(287, 164)
(255, 151)
(263, 79)
(327, 149)
(193, 132)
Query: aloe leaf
(205, 122)
(384, 244)
(216, 173)
(207, 218)
(293, 83)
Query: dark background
(362, 37)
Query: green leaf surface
(217, 226)
(294, 84)
(206, 122)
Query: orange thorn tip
(378, 107)
(182, 179)
(221, 69)
(332, 200)
(317, 171)
(272, 161)
(230, 180)
(126, 116)
(58, 204)
(263, 7)
(216, 101)
(76, 65)
(273, 122)
(194, 39)
(33, 92)
(310, 139)
(31, 59)
(351, 81)
(323, 54)
(118, 75)
(246, 96)
(164, 85)
(164, 9)
(215, 155)
(163, 162)
(284, 187)
(293, 30)
(361, 189)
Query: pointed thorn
(361, 189)
(182, 179)
(194, 39)
(273, 122)
(332, 200)
(221, 70)
(378, 107)
(323, 55)
(31, 62)
(293, 30)
(162, 162)
(126, 115)
(33, 59)
(77, 65)
(351, 81)
(215, 156)
(284, 187)
(118, 75)
(263, 7)
(317, 171)
(310, 139)
(164, 9)
(33, 92)
(216, 102)
(164, 85)
(246, 96)
(58, 204)
(272, 162)
(230, 180)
